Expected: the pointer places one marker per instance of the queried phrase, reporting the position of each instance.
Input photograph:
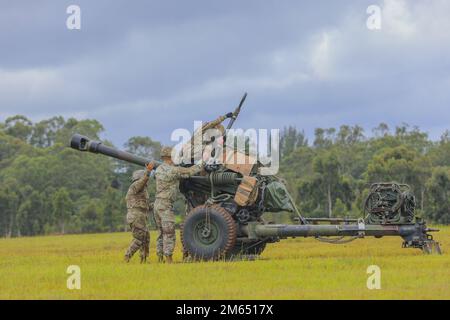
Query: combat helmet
(166, 152)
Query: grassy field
(35, 268)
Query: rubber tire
(225, 241)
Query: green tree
(327, 166)
(392, 164)
(324, 138)
(30, 215)
(291, 139)
(382, 130)
(19, 127)
(143, 146)
(9, 205)
(90, 216)
(439, 195)
(44, 133)
(440, 152)
(63, 208)
(88, 127)
(113, 210)
(349, 135)
(422, 171)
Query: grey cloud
(147, 67)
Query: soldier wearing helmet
(138, 208)
(167, 182)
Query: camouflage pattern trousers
(137, 220)
(165, 222)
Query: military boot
(126, 258)
(144, 253)
(160, 258)
(169, 259)
(131, 250)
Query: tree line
(47, 188)
(332, 175)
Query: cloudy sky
(147, 67)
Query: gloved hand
(229, 115)
(149, 166)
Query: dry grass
(35, 268)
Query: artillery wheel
(209, 233)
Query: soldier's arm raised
(214, 123)
(139, 185)
(184, 173)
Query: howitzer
(218, 226)
(226, 204)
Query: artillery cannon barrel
(83, 143)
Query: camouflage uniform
(167, 183)
(138, 209)
(196, 153)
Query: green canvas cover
(276, 198)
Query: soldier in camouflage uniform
(138, 207)
(167, 182)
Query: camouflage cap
(166, 152)
(138, 174)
